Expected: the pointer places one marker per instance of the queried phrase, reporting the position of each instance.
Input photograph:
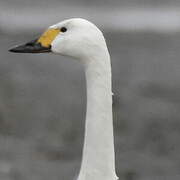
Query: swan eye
(63, 29)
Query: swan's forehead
(75, 22)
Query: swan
(82, 40)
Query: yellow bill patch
(48, 36)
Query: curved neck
(98, 162)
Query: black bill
(31, 47)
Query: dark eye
(63, 29)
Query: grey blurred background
(43, 97)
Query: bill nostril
(31, 43)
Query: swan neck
(98, 160)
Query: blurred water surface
(43, 98)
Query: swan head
(75, 37)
